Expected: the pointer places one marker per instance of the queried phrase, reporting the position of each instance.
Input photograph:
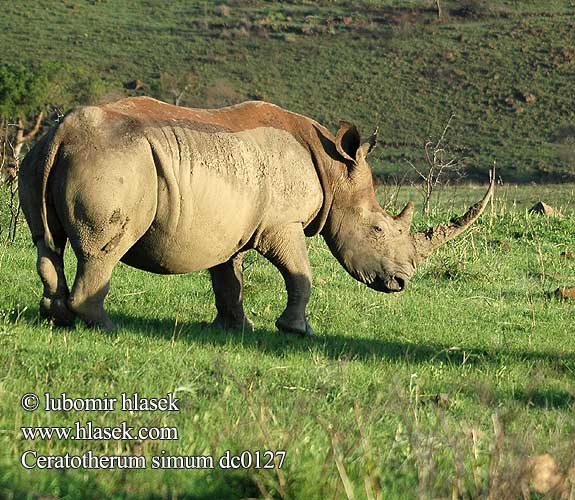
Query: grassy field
(504, 68)
(442, 391)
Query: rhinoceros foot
(104, 323)
(291, 325)
(233, 324)
(56, 310)
(94, 317)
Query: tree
(177, 85)
(27, 95)
(22, 98)
(439, 9)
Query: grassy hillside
(504, 68)
(443, 390)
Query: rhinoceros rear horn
(427, 241)
(405, 217)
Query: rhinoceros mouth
(388, 284)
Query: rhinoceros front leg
(285, 248)
(227, 282)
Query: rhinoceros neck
(338, 243)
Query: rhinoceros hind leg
(227, 282)
(89, 291)
(50, 266)
(285, 248)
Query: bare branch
(444, 131)
(437, 165)
(34, 130)
(417, 170)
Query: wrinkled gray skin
(174, 190)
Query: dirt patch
(565, 293)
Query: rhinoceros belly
(218, 191)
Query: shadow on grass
(334, 346)
(222, 484)
(546, 398)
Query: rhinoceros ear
(367, 146)
(347, 140)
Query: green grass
(504, 68)
(399, 396)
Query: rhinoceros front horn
(427, 241)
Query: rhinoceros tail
(48, 163)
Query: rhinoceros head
(373, 246)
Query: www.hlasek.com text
(244, 460)
(89, 432)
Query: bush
(24, 91)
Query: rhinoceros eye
(377, 229)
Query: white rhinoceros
(173, 190)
